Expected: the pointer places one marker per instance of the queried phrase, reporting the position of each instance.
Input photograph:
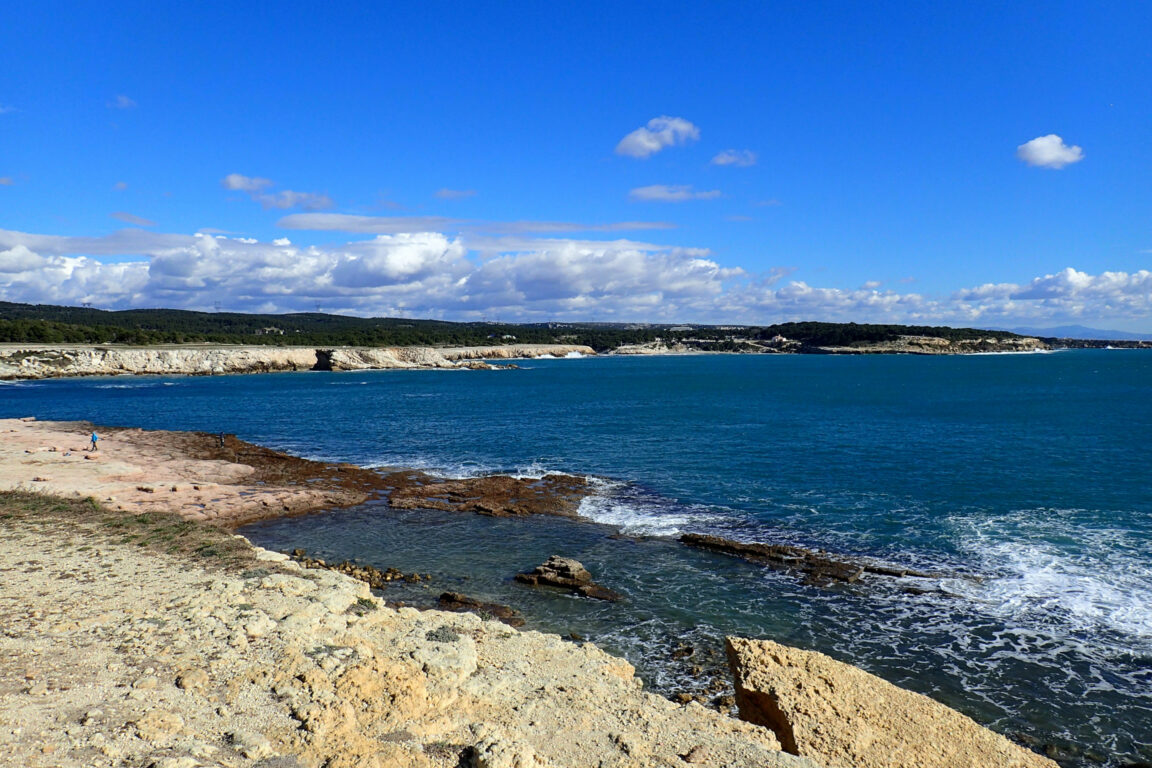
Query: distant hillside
(1081, 332)
(47, 324)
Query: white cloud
(121, 102)
(1049, 152)
(665, 193)
(237, 181)
(255, 186)
(430, 274)
(660, 132)
(6, 181)
(6, 109)
(737, 157)
(120, 186)
(454, 194)
(129, 218)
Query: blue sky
(966, 164)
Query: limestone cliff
(26, 361)
(844, 717)
(145, 658)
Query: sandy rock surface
(188, 473)
(846, 718)
(112, 654)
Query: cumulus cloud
(121, 102)
(424, 273)
(129, 218)
(258, 189)
(737, 157)
(1049, 152)
(665, 193)
(660, 132)
(430, 274)
(454, 194)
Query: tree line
(47, 324)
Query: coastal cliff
(25, 361)
(120, 652)
(901, 345)
(140, 636)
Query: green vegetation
(161, 532)
(46, 324)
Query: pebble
(146, 683)
(251, 744)
(193, 678)
(175, 762)
(158, 725)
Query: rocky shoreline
(30, 361)
(903, 345)
(139, 636)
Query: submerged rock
(570, 574)
(458, 603)
(492, 495)
(373, 577)
(820, 568)
(844, 717)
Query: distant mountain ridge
(1079, 332)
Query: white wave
(1087, 580)
(641, 517)
(573, 355)
(135, 385)
(435, 467)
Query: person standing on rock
(95, 437)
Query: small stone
(158, 725)
(192, 678)
(38, 689)
(251, 744)
(695, 755)
(176, 762)
(91, 716)
(146, 683)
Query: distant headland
(40, 341)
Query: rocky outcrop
(934, 345)
(516, 351)
(492, 495)
(568, 574)
(119, 655)
(370, 575)
(22, 361)
(818, 567)
(458, 603)
(846, 718)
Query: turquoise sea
(1027, 479)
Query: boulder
(565, 572)
(844, 717)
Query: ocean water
(1024, 480)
